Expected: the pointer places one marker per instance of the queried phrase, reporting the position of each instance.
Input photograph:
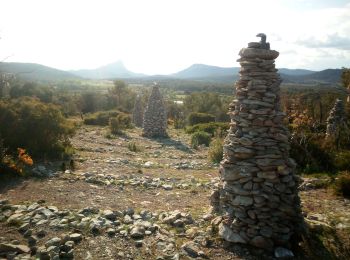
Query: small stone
(109, 214)
(15, 218)
(138, 243)
(137, 232)
(23, 228)
(179, 223)
(266, 231)
(76, 237)
(32, 240)
(127, 220)
(4, 248)
(281, 252)
(226, 233)
(167, 187)
(53, 242)
(192, 249)
(243, 200)
(261, 242)
(111, 231)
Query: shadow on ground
(174, 143)
(322, 242)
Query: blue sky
(164, 36)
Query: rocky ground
(152, 203)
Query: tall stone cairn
(258, 188)
(155, 118)
(137, 113)
(336, 119)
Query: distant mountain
(295, 72)
(195, 73)
(110, 71)
(33, 71)
(220, 74)
(205, 71)
(328, 76)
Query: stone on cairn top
(137, 113)
(155, 117)
(257, 195)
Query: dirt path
(162, 177)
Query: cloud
(331, 41)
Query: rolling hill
(35, 72)
(195, 73)
(109, 71)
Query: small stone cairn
(137, 113)
(257, 194)
(155, 118)
(335, 119)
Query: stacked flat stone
(155, 117)
(137, 113)
(258, 189)
(335, 119)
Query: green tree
(121, 97)
(207, 102)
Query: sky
(165, 36)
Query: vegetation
(198, 118)
(209, 103)
(38, 127)
(101, 118)
(121, 122)
(13, 165)
(200, 138)
(216, 150)
(342, 184)
(219, 128)
(134, 147)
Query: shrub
(199, 138)
(119, 123)
(311, 153)
(219, 128)
(12, 166)
(100, 118)
(39, 128)
(342, 160)
(134, 147)
(198, 118)
(342, 184)
(179, 123)
(216, 150)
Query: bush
(199, 138)
(13, 166)
(101, 118)
(179, 123)
(39, 128)
(342, 160)
(199, 118)
(119, 123)
(134, 147)
(219, 128)
(311, 153)
(216, 150)
(342, 184)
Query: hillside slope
(33, 71)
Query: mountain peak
(113, 70)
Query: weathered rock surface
(258, 189)
(155, 118)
